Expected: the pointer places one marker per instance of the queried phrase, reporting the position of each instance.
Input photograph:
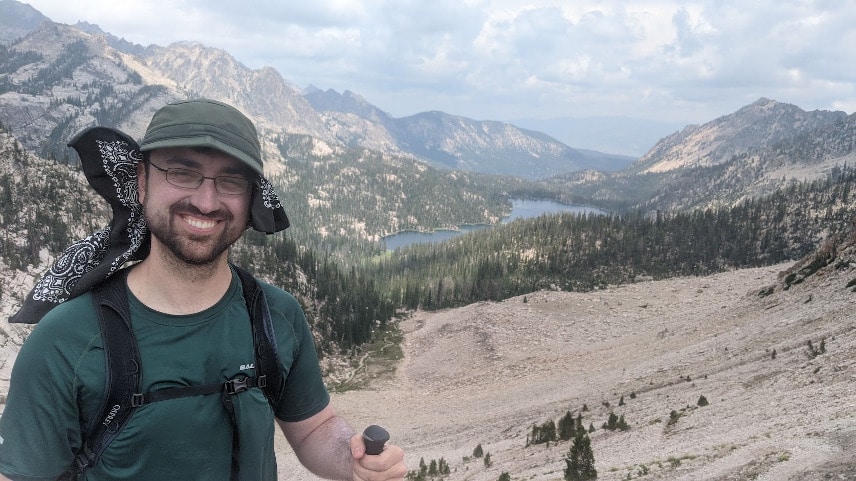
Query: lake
(520, 209)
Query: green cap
(205, 123)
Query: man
(200, 185)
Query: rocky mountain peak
(756, 126)
(347, 102)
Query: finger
(388, 465)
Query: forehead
(200, 158)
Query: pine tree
(567, 426)
(622, 424)
(444, 468)
(579, 461)
(612, 422)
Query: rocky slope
(485, 373)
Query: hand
(388, 465)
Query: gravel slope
(485, 373)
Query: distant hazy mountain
(347, 103)
(17, 19)
(454, 142)
(623, 136)
(761, 148)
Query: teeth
(200, 224)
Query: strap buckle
(82, 461)
(238, 385)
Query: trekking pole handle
(375, 437)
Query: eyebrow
(193, 164)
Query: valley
(485, 373)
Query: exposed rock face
(755, 127)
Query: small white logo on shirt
(244, 367)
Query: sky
(670, 61)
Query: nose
(206, 198)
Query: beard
(192, 250)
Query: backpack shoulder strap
(269, 375)
(122, 371)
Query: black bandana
(109, 159)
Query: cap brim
(205, 141)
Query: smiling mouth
(200, 223)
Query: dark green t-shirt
(58, 383)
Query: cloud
(504, 59)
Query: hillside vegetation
(584, 252)
(345, 199)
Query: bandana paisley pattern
(269, 196)
(78, 259)
(119, 161)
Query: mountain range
(755, 151)
(85, 55)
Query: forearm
(325, 449)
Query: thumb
(358, 446)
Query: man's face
(193, 225)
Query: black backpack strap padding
(267, 368)
(122, 363)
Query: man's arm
(328, 447)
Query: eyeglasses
(190, 179)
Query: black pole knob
(375, 437)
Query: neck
(174, 287)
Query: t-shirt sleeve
(304, 393)
(40, 425)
